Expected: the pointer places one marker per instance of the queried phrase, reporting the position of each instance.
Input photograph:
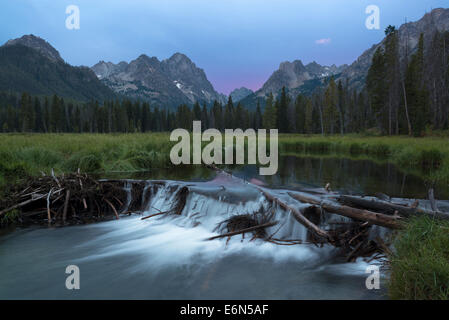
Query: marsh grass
(31, 154)
(420, 264)
(429, 156)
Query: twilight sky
(236, 42)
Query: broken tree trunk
(297, 215)
(391, 208)
(350, 212)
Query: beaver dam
(357, 226)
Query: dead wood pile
(59, 200)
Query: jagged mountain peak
(178, 57)
(294, 74)
(180, 63)
(287, 65)
(38, 44)
(169, 82)
(240, 93)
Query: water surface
(168, 258)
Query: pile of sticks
(352, 237)
(67, 199)
(78, 198)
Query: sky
(236, 42)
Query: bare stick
(230, 234)
(154, 215)
(297, 215)
(66, 202)
(113, 208)
(48, 206)
(54, 177)
(20, 205)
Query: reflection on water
(345, 175)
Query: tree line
(401, 96)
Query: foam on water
(168, 256)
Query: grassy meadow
(30, 154)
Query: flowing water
(167, 257)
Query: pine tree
(229, 114)
(308, 117)
(282, 112)
(376, 87)
(330, 111)
(196, 111)
(26, 113)
(392, 80)
(300, 113)
(417, 94)
(270, 114)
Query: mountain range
(296, 78)
(170, 82)
(240, 94)
(31, 64)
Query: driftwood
(19, 205)
(297, 215)
(351, 238)
(154, 215)
(49, 198)
(350, 212)
(390, 208)
(233, 233)
(64, 213)
(113, 208)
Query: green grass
(427, 157)
(29, 154)
(420, 264)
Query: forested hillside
(406, 96)
(25, 69)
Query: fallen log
(390, 208)
(233, 233)
(350, 212)
(297, 215)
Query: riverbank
(421, 275)
(427, 157)
(30, 154)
